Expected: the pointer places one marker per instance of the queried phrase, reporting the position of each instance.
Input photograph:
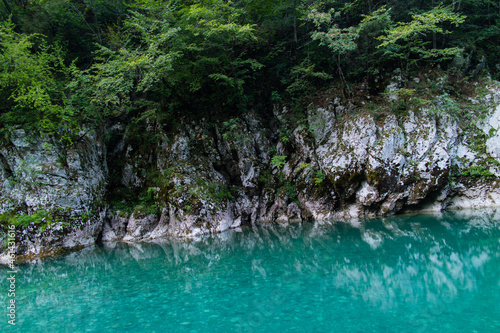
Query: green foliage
(232, 131)
(478, 171)
(339, 40)
(290, 192)
(220, 192)
(32, 83)
(150, 196)
(87, 216)
(266, 177)
(278, 161)
(66, 65)
(375, 23)
(275, 97)
(317, 174)
(372, 26)
(319, 177)
(75, 24)
(130, 70)
(417, 40)
(304, 166)
(169, 56)
(446, 104)
(146, 210)
(304, 77)
(403, 96)
(22, 219)
(42, 218)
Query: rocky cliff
(339, 161)
(51, 191)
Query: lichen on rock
(211, 176)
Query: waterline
(405, 274)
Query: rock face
(69, 183)
(38, 174)
(208, 176)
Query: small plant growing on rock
(278, 161)
(304, 166)
(266, 176)
(319, 176)
(232, 131)
(291, 193)
(478, 171)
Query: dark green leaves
(32, 82)
(416, 37)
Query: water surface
(403, 274)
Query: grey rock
(212, 178)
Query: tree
(411, 42)
(192, 56)
(370, 60)
(339, 40)
(32, 84)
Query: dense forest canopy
(69, 64)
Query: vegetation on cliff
(65, 64)
(144, 69)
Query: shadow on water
(412, 273)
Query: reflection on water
(413, 273)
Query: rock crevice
(211, 176)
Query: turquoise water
(403, 274)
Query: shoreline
(53, 253)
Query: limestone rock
(209, 177)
